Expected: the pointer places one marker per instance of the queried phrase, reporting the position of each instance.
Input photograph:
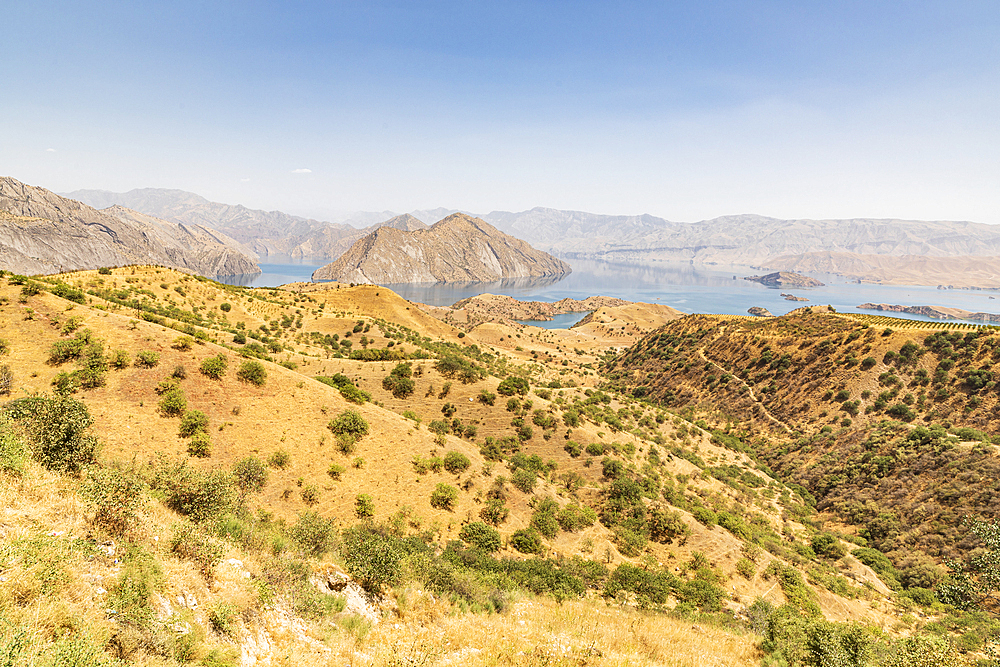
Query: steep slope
(44, 232)
(457, 249)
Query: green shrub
(310, 495)
(120, 360)
(335, 471)
(252, 372)
(573, 449)
(193, 421)
(313, 533)
(372, 558)
(596, 448)
(172, 402)
(456, 462)
(827, 545)
(480, 536)
(364, 506)
(399, 381)
(666, 526)
(279, 459)
(115, 499)
(250, 475)
(147, 359)
(55, 428)
(200, 445)
(527, 541)
(494, 511)
(746, 567)
(486, 396)
(189, 543)
(444, 497)
(513, 385)
(543, 519)
(705, 516)
(225, 307)
(182, 343)
(349, 423)
(214, 367)
(224, 617)
(576, 517)
(524, 480)
(201, 496)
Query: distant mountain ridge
(42, 232)
(459, 248)
(866, 249)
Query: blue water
(686, 287)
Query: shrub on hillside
(252, 372)
(56, 430)
(444, 497)
(193, 421)
(513, 384)
(456, 462)
(480, 536)
(313, 533)
(524, 480)
(250, 475)
(201, 496)
(172, 402)
(200, 445)
(120, 360)
(349, 423)
(279, 459)
(527, 541)
(190, 543)
(214, 367)
(364, 506)
(147, 359)
(115, 499)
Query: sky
(684, 110)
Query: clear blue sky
(687, 110)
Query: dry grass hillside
(329, 474)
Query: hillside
(41, 232)
(457, 249)
(628, 504)
(888, 423)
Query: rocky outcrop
(42, 232)
(785, 279)
(475, 310)
(933, 312)
(459, 248)
(758, 311)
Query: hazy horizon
(686, 112)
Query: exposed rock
(457, 249)
(758, 311)
(933, 312)
(785, 279)
(42, 232)
(792, 297)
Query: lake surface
(686, 287)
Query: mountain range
(866, 249)
(42, 232)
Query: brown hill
(456, 249)
(42, 232)
(887, 422)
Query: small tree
(56, 429)
(513, 384)
(350, 423)
(115, 498)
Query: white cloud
(50, 150)
(302, 171)
(245, 180)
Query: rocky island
(785, 279)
